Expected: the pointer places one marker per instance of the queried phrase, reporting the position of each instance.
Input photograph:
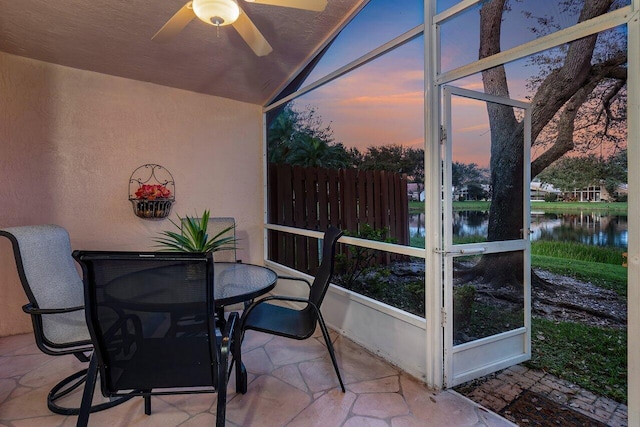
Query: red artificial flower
(152, 192)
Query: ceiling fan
(220, 13)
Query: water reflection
(591, 228)
(588, 227)
(470, 223)
(416, 225)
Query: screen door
(486, 249)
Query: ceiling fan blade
(175, 24)
(315, 5)
(250, 33)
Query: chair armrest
(299, 279)
(30, 309)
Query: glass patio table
(233, 283)
(236, 282)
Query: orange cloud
(400, 99)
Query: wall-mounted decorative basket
(152, 191)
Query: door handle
(470, 251)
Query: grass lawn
(594, 358)
(617, 207)
(601, 266)
(591, 357)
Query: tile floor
(291, 383)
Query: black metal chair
(56, 303)
(136, 306)
(294, 323)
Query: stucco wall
(70, 139)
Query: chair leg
(221, 412)
(221, 407)
(327, 340)
(241, 378)
(241, 371)
(62, 389)
(87, 395)
(147, 404)
(68, 385)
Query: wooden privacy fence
(314, 198)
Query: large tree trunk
(506, 162)
(573, 81)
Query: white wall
(394, 335)
(70, 139)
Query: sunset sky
(379, 103)
(382, 102)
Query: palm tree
(310, 151)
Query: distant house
(415, 192)
(540, 191)
(595, 193)
(592, 193)
(472, 192)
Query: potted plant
(192, 236)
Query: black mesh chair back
(294, 323)
(141, 310)
(323, 276)
(56, 303)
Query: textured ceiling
(114, 37)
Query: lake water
(589, 227)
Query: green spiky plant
(193, 237)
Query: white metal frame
(433, 209)
(593, 26)
(633, 153)
(630, 16)
(433, 82)
(481, 357)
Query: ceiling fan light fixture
(216, 12)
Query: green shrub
(359, 260)
(417, 289)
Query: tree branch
(564, 141)
(562, 83)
